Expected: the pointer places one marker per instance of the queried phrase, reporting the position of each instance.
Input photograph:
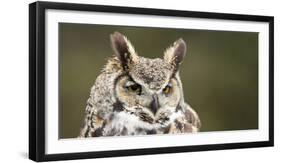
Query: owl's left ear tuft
(124, 50)
(175, 53)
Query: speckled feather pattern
(107, 115)
(153, 72)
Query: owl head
(149, 87)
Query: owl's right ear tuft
(124, 50)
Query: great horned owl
(134, 95)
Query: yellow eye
(134, 88)
(167, 89)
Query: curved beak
(154, 104)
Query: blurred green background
(219, 72)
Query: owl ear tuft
(175, 53)
(124, 50)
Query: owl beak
(154, 104)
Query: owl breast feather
(124, 123)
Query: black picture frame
(37, 81)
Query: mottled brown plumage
(134, 95)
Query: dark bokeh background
(219, 73)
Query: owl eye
(134, 88)
(167, 89)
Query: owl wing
(93, 124)
(187, 123)
(192, 117)
(100, 103)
